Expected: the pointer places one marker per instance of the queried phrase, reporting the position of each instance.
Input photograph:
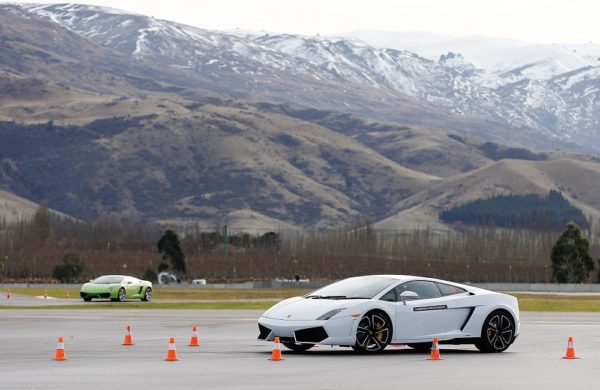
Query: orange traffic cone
(276, 354)
(570, 350)
(435, 351)
(45, 294)
(194, 340)
(67, 295)
(60, 350)
(128, 340)
(172, 352)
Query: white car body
(455, 319)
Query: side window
(390, 296)
(446, 289)
(425, 289)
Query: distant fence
(540, 287)
(501, 287)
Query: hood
(302, 309)
(93, 287)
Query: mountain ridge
(374, 80)
(118, 131)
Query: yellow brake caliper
(380, 335)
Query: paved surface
(26, 300)
(21, 300)
(231, 357)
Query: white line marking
(57, 317)
(562, 323)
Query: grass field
(229, 294)
(233, 299)
(225, 305)
(558, 303)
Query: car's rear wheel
(87, 299)
(420, 347)
(121, 295)
(497, 333)
(147, 295)
(298, 347)
(374, 332)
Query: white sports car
(369, 312)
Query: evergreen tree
(40, 225)
(571, 259)
(70, 269)
(170, 248)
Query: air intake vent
(264, 332)
(311, 335)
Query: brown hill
(577, 180)
(14, 208)
(93, 130)
(202, 162)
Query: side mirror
(408, 295)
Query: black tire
(87, 299)
(121, 295)
(421, 347)
(497, 333)
(374, 332)
(147, 295)
(298, 347)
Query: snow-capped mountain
(495, 55)
(548, 94)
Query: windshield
(108, 280)
(354, 288)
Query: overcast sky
(544, 21)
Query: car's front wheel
(298, 347)
(374, 333)
(497, 333)
(121, 295)
(87, 299)
(147, 295)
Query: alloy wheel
(121, 295)
(148, 294)
(373, 333)
(500, 331)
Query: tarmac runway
(231, 357)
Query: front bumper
(339, 331)
(86, 294)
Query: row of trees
(48, 247)
(517, 211)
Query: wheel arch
(480, 313)
(498, 343)
(368, 309)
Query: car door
(463, 306)
(131, 287)
(428, 315)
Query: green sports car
(117, 288)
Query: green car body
(116, 288)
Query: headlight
(330, 314)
